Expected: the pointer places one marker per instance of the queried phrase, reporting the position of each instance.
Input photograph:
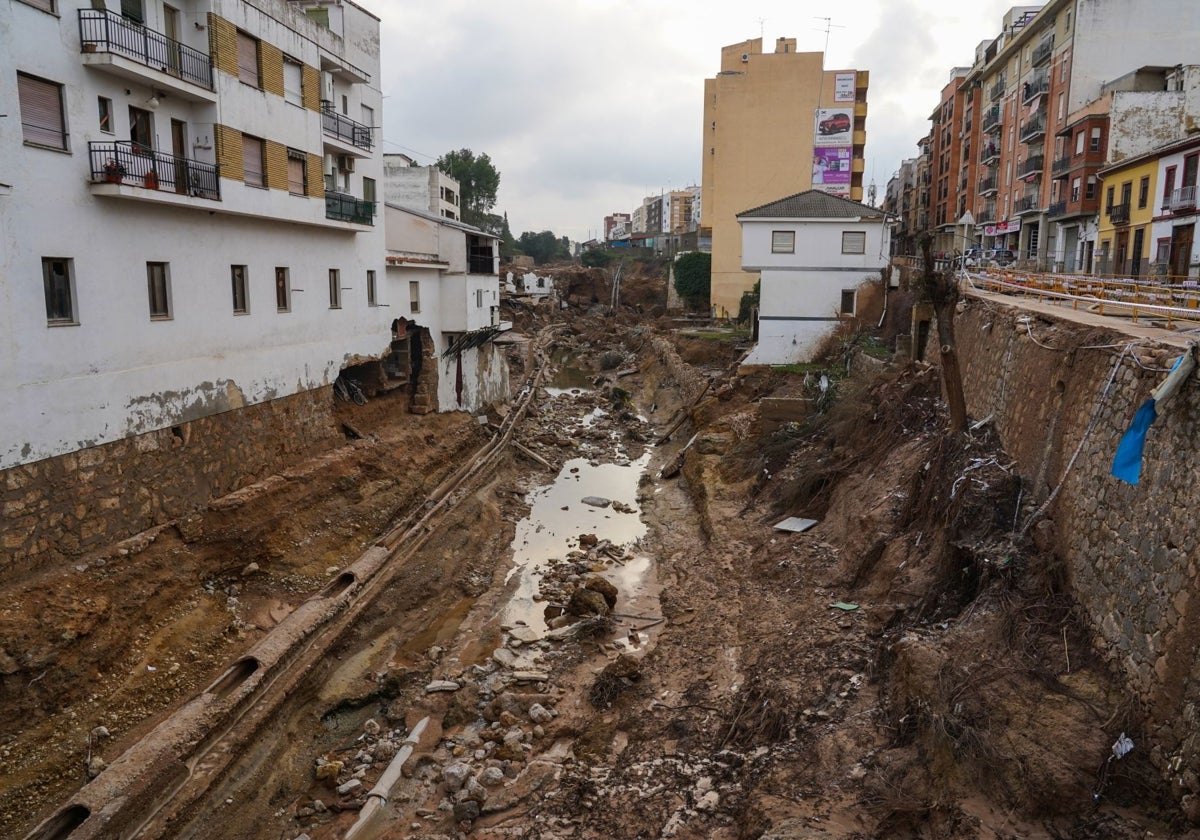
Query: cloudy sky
(587, 106)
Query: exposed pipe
(378, 796)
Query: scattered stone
(598, 584)
(319, 807)
(454, 775)
(472, 790)
(95, 766)
(371, 727)
(329, 771)
(587, 540)
(596, 501)
(588, 602)
(99, 732)
(250, 569)
(504, 657)
(442, 685)
(540, 714)
(491, 776)
(525, 635)
(530, 676)
(466, 811)
(349, 787)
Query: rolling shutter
(293, 82)
(252, 161)
(248, 60)
(295, 165)
(41, 112)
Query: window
(368, 117)
(371, 301)
(238, 277)
(104, 106)
(1143, 191)
(849, 297)
(1091, 187)
(1067, 27)
(1075, 184)
(335, 288)
(1191, 167)
(293, 81)
(283, 290)
(132, 10)
(854, 242)
(1062, 106)
(1079, 140)
(247, 58)
(58, 279)
(1108, 199)
(414, 296)
(783, 242)
(297, 163)
(345, 105)
(1168, 184)
(253, 165)
(43, 121)
(141, 129)
(44, 5)
(158, 283)
(369, 190)
(1096, 139)
(479, 298)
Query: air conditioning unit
(745, 57)
(345, 163)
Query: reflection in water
(556, 519)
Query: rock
(504, 657)
(385, 749)
(587, 602)
(472, 791)
(454, 775)
(587, 540)
(319, 807)
(466, 811)
(540, 714)
(329, 771)
(250, 569)
(598, 584)
(530, 676)
(371, 727)
(491, 776)
(525, 635)
(99, 733)
(349, 787)
(442, 685)
(709, 801)
(95, 766)
(596, 501)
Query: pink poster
(831, 169)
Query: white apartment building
(427, 188)
(189, 211)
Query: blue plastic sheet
(1127, 463)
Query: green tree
(748, 302)
(596, 258)
(693, 276)
(543, 246)
(478, 182)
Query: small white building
(442, 339)
(812, 250)
(427, 188)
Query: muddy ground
(667, 665)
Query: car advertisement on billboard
(833, 127)
(843, 87)
(831, 170)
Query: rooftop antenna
(829, 24)
(761, 21)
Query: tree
(941, 290)
(596, 258)
(693, 276)
(544, 246)
(478, 182)
(749, 303)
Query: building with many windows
(191, 229)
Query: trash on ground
(795, 525)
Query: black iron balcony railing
(990, 152)
(1183, 198)
(991, 118)
(345, 129)
(1042, 51)
(1038, 84)
(1026, 204)
(988, 185)
(481, 261)
(998, 89)
(1061, 166)
(132, 164)
(347, 208)
(1119, 213)
(1034, 129)
(986, 216)
(1031, 166)
(1056, 209)
(104, 31)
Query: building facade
(405, 184)
(774, 122)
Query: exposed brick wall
(229, 152)
(277, 177)
(316, 182)
(222, 43)
(66, 506)
(270, 67)
(311, 80)
(1132, 553)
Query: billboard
(1001, 228)
(843, 87)
(831, 170)
(833, 127)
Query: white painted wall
(801, 293)
(118, 373)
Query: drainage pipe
(378, 796)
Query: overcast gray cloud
(586, 106)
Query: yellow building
(1128, 190)
(774, 125)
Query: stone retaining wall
(65, 506)
(1131, 552)
(690, 381)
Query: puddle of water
(550, 532)
(567, 378)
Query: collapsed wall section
(1058, 390)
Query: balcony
(481, 260)
(1026, 204)
(1043, 50)
(1182, 199)
(1118, 213)
(1058, 208)
(1038, 84)
(998, 89)
(346, 208)
(989, 185)
(991, 118)
(1034, 129)
(345, 129)
(131, 165)
(130, 50)
(986, 216)
(1061, 166)
(1031, 166)
(989, 153)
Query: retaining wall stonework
(1131, 552)
(85, 500)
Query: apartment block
(425, 188)
(774, 124)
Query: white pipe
(378, 796)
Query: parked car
(971, 258)
(835, 124)
(999, 256)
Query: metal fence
(104, 31)
(131, 164)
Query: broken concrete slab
(795, 525)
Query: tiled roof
(812, 204)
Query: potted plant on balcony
(114, 173)
(151, 179)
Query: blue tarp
(1127, 463)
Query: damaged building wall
(1132, 553)
(472, 380)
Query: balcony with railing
(127, 164)
(1034, 129)
(1027, 204)
(345, 129)
(986, 215)
(1043, 50)
(481, 259)
(989, 153)
(988, 185)
(125, 48)
(1061, 167)
(1118, 213)
(991, 118)
(1038, 83)
(346, 208)
(1183, 198)
(1032, 165)
(997, 90)
(1056, 209)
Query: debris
(596, 501)
(795, 525)
(1123, 746)
(348, 787)
(442, 685)
(842, 605)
